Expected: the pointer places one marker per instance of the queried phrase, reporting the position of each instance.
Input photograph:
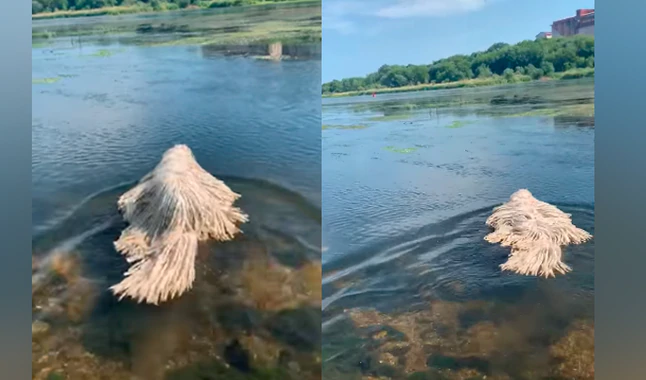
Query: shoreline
(469, 83)
(122, 10)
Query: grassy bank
(479, 82)
(159, 6)
(107, 11)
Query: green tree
(394, 79)
(59, 5)
(532, 58)
(534, 72)
(497, 46)
(547, 67)
(36, 7)
(419, 74)
(509, 74)
(483, 71)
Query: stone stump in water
(276, 51)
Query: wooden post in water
(276, 51)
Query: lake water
(410, 287)
(104, 111)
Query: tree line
(39, 6)
(533, 59)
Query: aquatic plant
(400, 150)
(345, 127)
(44, 80)
(535, 231)
(457, 124)
(391, 117)
(172, 208)
(104, 53)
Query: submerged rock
(38, 329)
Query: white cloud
(339, 15)
(339, 25)
(335, 15)
(433, 8)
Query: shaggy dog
(169, 211)
(535, 231)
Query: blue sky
(361, 35)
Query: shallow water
(296, 25)
(105, 121)
(406, 197)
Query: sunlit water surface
(104, 111)
(410, 287)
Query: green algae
(400, 150)
(458, 124)
(344, 127)
(392, 117)
(578, 110)
(45, 80)
(104, 53)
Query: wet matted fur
(169, 211)
(535, 231)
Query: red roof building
(542, 35)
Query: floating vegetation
(577, 110)
(392, 117)
(400, 150)
(68, 75)
(390, 107)
(104, 53)
(288, 33)
(241, 32)
(328, 126)
(548, 112)
(516, 99)
(45, 80)
(458, 124)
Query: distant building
(581, 23)
(543, 35)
